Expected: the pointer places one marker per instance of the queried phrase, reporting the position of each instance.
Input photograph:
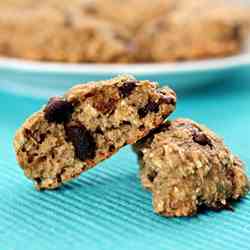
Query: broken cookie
(187, 167)
(87, 125)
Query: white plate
(137, 69)
(40, 79)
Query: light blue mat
(107, 208)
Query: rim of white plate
(138, 69)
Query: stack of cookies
(184, 164)
(111, 31)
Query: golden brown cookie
(91, 122)
(187, 167)
(194, 31)
(132, 14)
(52, 32)
(112, 31)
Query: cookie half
(91, 122)
(188, 167)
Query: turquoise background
(106, 208)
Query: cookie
(187, 167)
(86, 30)
(52, 32)
(91, 122)
(193, 32)
(132, 14)
(111, 31)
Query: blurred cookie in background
(55, 34)
(133, 14)
(194, 31)
(112, 31)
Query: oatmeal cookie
(132, 14)
(91, 122)
(111, 31)
(99, 31)
(193, 32)
(52, 32)
(187, 167)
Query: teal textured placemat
(107, 208)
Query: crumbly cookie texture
(73, 133)
(132, 14)
(86, 30)
(187, 167)
(52, 32)
(194, 31)
(112, 31)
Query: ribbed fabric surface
(106, 208)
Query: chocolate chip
(82, 141)
(99, 131)
(52, 155)
(42, 138)
(58, 110)
(142, 127)
(126, 89)
(43, 158)
(151, 176)
(38, 180)
(30, 159)
(90, 94)
(168, 100)
(125, 123)
(59, 178)
(236, 32)
(202, 139)
(162, 128)
(150, 136)
(27, 132)
(142, 112)
(111, 148)
(151, 106)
